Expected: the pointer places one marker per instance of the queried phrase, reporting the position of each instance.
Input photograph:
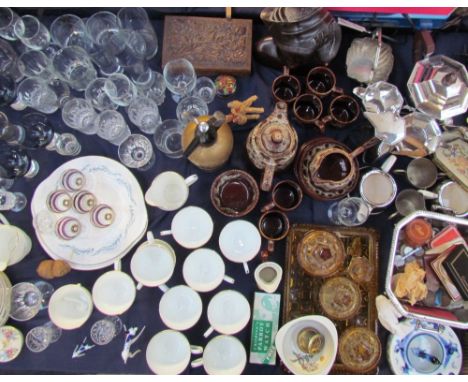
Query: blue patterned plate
(426, 348)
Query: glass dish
(340, 298)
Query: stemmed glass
(137, 152)
(16, 163)
(35, 63)
(205, 88)
(79, 114)
(144, 113)
(190, 108)
(69, 30)
(104, 331)
(95, 93)
(151, 84)
(180, 78)
(12, 201)
(39, 338)
(8, 19)
(27, 300)
(32, 32)
(349, 212)
(8, 58)
(168, 138)
(112, 127)
(36, 93)
(120, 89)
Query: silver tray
(393, 250)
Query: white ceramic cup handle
(163, 287)
(246, 268)
(166, 232)
(149, 236)
(208, 332)
(191, 179)
(428, 194)
(139, 286)
(388, 164)
(117, 265)
(196, 350)
(197, 363)
(229, 279)
(3, 219)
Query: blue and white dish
(426, 348)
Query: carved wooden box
(213, 45)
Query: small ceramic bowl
(234, 193)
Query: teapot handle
(267, 177)
(4, 220)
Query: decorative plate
(11, 343)
(426, 348)
(95, 248)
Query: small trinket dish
(268, 276)
(359, 349)
(340, 298)
(12, 342)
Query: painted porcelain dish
(426, 348)
(96, 248)
(294, 358)
(11, 343)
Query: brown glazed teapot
(272, 144)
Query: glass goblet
(26, 301)
(8, 19)
(205, 88)
(69, 30)
(190, 108)
(137, 152)
(112, 127)
(35, 63)
(120, 89)
(168, 138)
(35, 93)
(144, 113)
(180, 77)
(151, 84)
(79, 114)
(98, 97)
(32, 32)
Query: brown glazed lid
(321, 253)
(359, 349)
(417, 233)
(340, 298)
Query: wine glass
(112, 127)
(79, 114)
(190, 108)
(96, 94)
(32, 32)
(39, 338)
(26, 301)
(16, 163)
(69, 30)
(8, 58)
(104, 331)
(168, 138)
(36, 93)
(120, 89)
(180, 77)
(35, 63)
(350, 212)
(144, 113)
(137, 152)
(12, 201)
(151, 84)
(8, 19)
(205, 88)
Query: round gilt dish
(340, 298)
(359, 349)
(321, 253)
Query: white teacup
(70, 306)
(15, 244)
(228, 313)
(223, 355)
(169, 190)
(153, 263)
(114, 292)
(168, 352)
(180, 307)
(204, 270)
(268, 276)
(191, 227)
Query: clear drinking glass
(137, 20)
(8, 58)
(190, 108)
(144, 113)
(51, 50)
(65, 144)
(96, 95)
(151, 84)
(69, 30)
(26, 301)
(79, 114)
(7, 89)
(205, 88)
(108, 63)
(10, 133)
(32, 32)
(104, 331)
(137, 152)
(180, 77)
(112, 127)
(8, 19)
(39, 338)
(35, 93)
(168, 138)
(120, 89)
(12, 201)
(75, 67)
(35, 63)
(16, 163)
(350, 212)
